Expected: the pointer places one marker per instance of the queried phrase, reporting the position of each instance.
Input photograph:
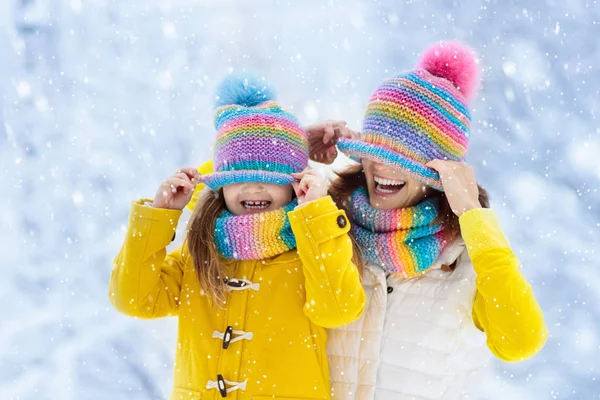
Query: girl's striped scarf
(255, 236)
(404, 241)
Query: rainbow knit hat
(421, 115)
(257, 141)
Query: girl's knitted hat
(257, 141)
(421, 115)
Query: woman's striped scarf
(404, 241)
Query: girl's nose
(253, 187)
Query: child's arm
(145, 281)
(505, 307)
(334, 293)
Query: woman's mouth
(386, 187)
(255, 205)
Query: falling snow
(99, 101)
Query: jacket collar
(375, 276)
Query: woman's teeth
(391, 182)
(256, 205)
(388, 186)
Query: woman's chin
(386, 201)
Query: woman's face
(390, 188)
(256, 197)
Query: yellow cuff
(206, 168)
(195, 197)
(320, 219)
(481, 231)
(164, 222)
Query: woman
(443, 285)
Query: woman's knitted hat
(257, 141)
(421, 115)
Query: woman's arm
(505, 307)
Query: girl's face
(256, 197)
(390, 188)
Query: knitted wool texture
(421, 115)
(255, 236)
(256, 142)
(404, 241)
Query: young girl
(441, 279)
(265, 268)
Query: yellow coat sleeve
(145, 281)
(204, 169)
(334, 293)
(505, 307)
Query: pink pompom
(455, 62)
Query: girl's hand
(176, 191)
(310, 186)
(323, 137)
(458, 180)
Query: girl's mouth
(255, 205)
(386, 187)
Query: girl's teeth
(256, 205)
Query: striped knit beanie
(257, 141)
(421, 115)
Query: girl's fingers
(299, 193)
(296, 187)
(185, 176)
(306, 182)
(178, 181)
(182, 176)
(191, 173)
(301, 175)
(303, 187)
(175, 183)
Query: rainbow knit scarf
(403, 242)
(255, 236)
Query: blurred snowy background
(102, 99)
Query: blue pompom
(244, 89)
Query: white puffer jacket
(416, 339)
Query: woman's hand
(460, 186)
(175, 192)
(323, 137)
(310, 186)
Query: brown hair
(200, 242)
(353, 177)
(201, 245)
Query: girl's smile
(256, 197)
